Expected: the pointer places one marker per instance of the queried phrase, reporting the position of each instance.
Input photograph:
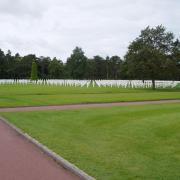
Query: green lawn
(136, 142)
(29, 95)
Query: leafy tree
(148, 54)
(114, 68)
(16, 67)
(100, 67)
(90, 69)
(76, 64)
(2, 65)
(34, 73)
(56, 69)
(107, 67)
(43, 64)
(25, 66)
(176, 58)
(10, 64)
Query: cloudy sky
(104, 27)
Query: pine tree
(34, 75)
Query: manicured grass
(29, 95)
(135, 142)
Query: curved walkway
(21, 160)
(81, 106)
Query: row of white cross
(58, 82)
(137, 83)
(99, 83)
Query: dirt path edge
(60, 160)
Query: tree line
(78, 66)
(154, 55)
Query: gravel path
(81, 106)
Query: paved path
(21, 160)
(80, 106)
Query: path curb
(61, 161)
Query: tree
(56, 69)
(176, 58)
(34, 73)
(148, 54)
(100, 67)
(17, 68)
(115, 64)
(107, 67)
(10, 65)
(90, 69)
(43, 64)
(25, 66)
(2, 65)
(76, 64)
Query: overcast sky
(103, 27)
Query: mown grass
(30, 95)
(135, 142)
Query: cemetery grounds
(132, 142)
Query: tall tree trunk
(153, 84)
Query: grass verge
(137, 142)
(36, 95)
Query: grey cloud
(21, 7)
